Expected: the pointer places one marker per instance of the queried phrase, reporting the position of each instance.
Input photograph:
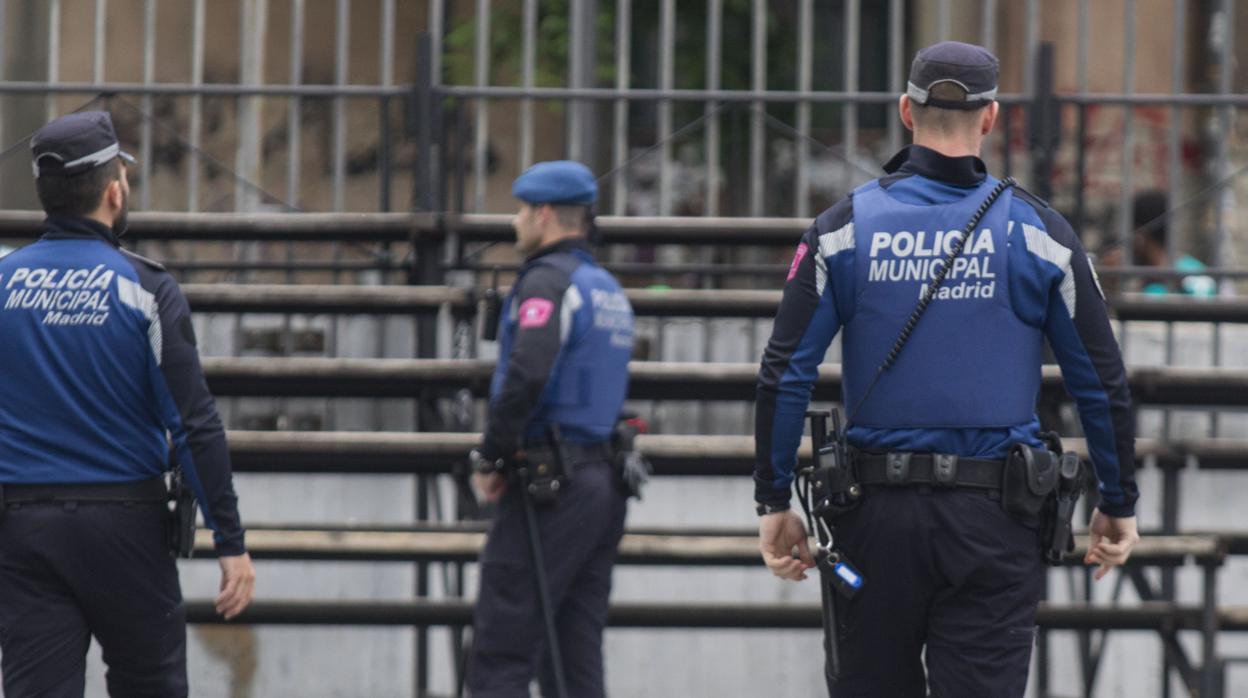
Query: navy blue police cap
(556, 182)
(971, 67)
(76, 143)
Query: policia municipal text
(936, 505)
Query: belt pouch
(1029, 478)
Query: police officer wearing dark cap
(102, 383)
(564, 342)
(944, 573)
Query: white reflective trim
(132, 294)
(97, 158)
(920, 95)
(1041, 245)
(572, 302)
(830, 244)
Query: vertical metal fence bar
(849, 137)
(623, 66)
(197, 110)
(1125, 224)
(805, 59)
(1174, 137)
(100, 41)
(342, 57)
(758, 148)
(386, 71)
(294, 113)
(529, 63)
(1031, 44)
(145, 128)
(574, 108)
(481, 66)
(1226, 196)
(714, 53)
(896, 67)
(988, 25)
(943, 27)
(667, 75)
(253, 35)
(54, 52)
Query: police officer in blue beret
(564, 342)
(942, 431)
(102, 381)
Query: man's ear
(989, 118)
(113, 195)
(903, 108)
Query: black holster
(1029, 479)
(834, 485)
(1039, 486)
(542, 473)
(1058, 535)
(180, 524)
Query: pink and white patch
(535, 312)
(802, 249)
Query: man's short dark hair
(1148, 215)
(76, 195)
(571, 216)
(946, 121)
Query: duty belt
(935, 469)
(576, 454)
(150, 490)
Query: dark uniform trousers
(580, 537)
(946, 571)
(70, 571)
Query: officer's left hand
(238, 583)
(490, 485)
(778, 534)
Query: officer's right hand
(490, 485)
(778, 535)
(238, 584)
(1110, 540)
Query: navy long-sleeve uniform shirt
(565, 339)
(101, 373)
(966, 383)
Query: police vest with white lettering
(970, 337)
(589, 381)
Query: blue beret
(556, 182)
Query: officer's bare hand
(778, 535)
(490, 485)
(1110, 540)
(238, 583)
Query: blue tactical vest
(971, 362)
(79, 365)
(589, 380)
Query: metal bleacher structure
(453, 541)
(431, 265)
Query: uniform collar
(77, 228)
(963, 171)
(565, 245)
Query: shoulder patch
(149, 262)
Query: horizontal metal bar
(649, 380)
(1153, 616)
(721, 303)
(285, 298)
(203, 89)
(455, 544)
(677, 455)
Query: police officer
(101, 382)
(564, 343)
(949, 575)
